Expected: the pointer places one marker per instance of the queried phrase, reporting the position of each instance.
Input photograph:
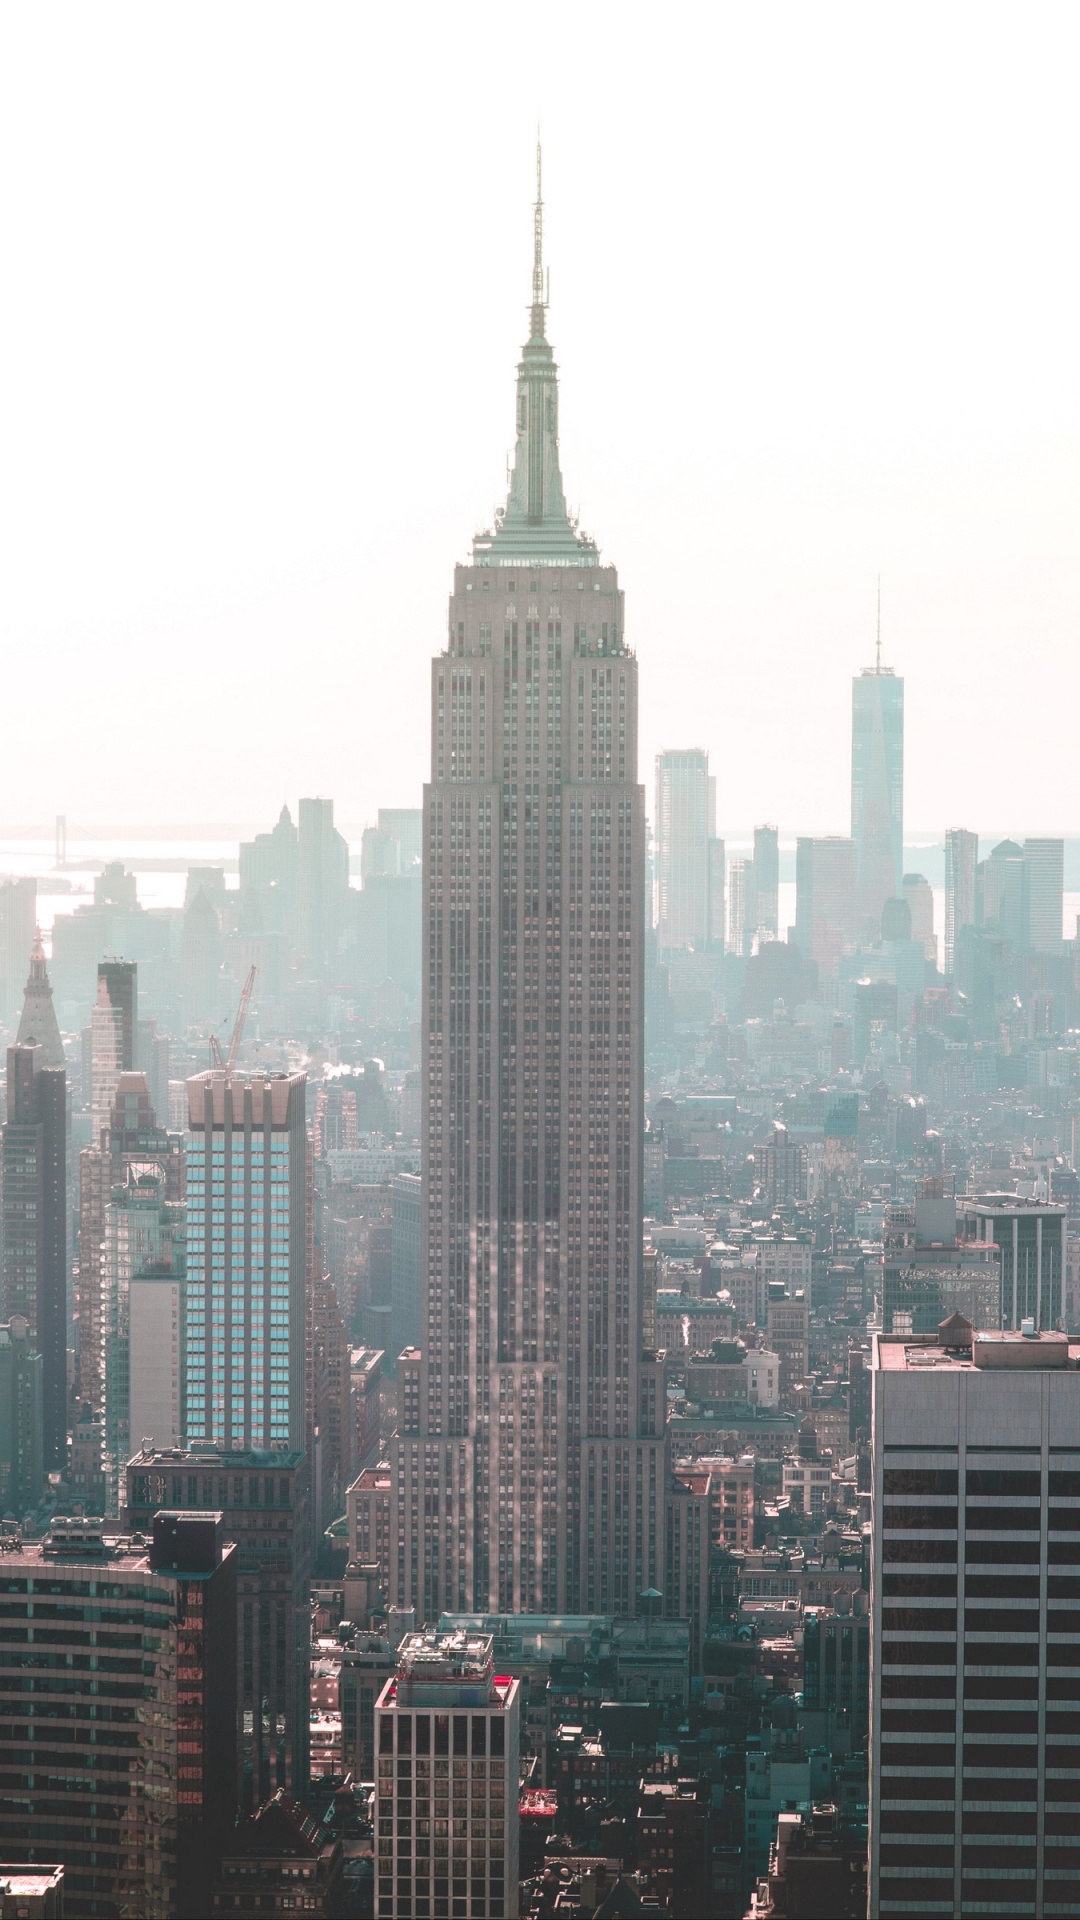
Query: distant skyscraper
(739, 889)
(825, 914)
(37, 1022)
(766, 882)
(920, 899)
(1044, 875)
(246, 1291)
(33, 1153)
(530, 1470)
(961, 858)
(877, 792)
(22, 1473)
(141, 1330)
(974, 1782)
(324, 882)
(685, 823)
(1001, 894)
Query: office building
(1044, 875)
(34, 1276)
(1031, 1235)
(974, 1774)
(263, 1500)
(685, 823)
(37, 1023)
(928, 1273)
(367, 1663)
(961, 860)
(128, 1764)
(1001, 895)
(22, 1474)
(740, 889)
(447, 1731)
(246, 1295)
(532, 1475)
(877, 793)
(825, 917)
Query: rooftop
(901, 1353)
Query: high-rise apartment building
(685, 824)
(961, 860)
(125, 1761)
(877, 792)
(825, 899)
(974, 1770)
(247, 1256)
(740, 891)
(447, 1732)
(34, 1273)
(532, 1475)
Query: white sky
(814, 277)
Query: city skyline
(870, 409)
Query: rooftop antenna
(879, 624)
(538, 238)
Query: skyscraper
(766, 882)
(877, 792)
(961, 858)
(974, 1781)
(33, 1283)
(685, 824)
(530, 1475)
(825, 892)
(1044, 874)
(324, 882)
(246, 1295)
(37, 1022)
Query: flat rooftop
(905, 1353)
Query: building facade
(247, 1256)
(447, 1730)
(974, 1770)
(685, 824)
(961, 860)
(825, 896)
(532, 1475)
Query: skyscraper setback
(532, 1475)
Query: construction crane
(226, 1066)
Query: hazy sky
(814, 276)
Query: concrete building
(263, 1499)
(246, 1305)
(534, 1474)
(974, 1776)
(961, 860)
(22, 1475)
(324, 883)
(141, 1320)
(367, 1663)
(156, 1709)
(780, 1169)
(1044, 875)
(766, 883)
(877, 793)
(31, 1893)
(919, 896)
(447, 1728)
(34, 1271)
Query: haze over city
(539, 966)
(815, 312)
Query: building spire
(538, 301)
(879, 667)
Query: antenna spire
(538, 300)
(879, 667)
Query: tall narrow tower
(877, 791)
(529, 1469)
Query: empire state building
(529, 1469)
